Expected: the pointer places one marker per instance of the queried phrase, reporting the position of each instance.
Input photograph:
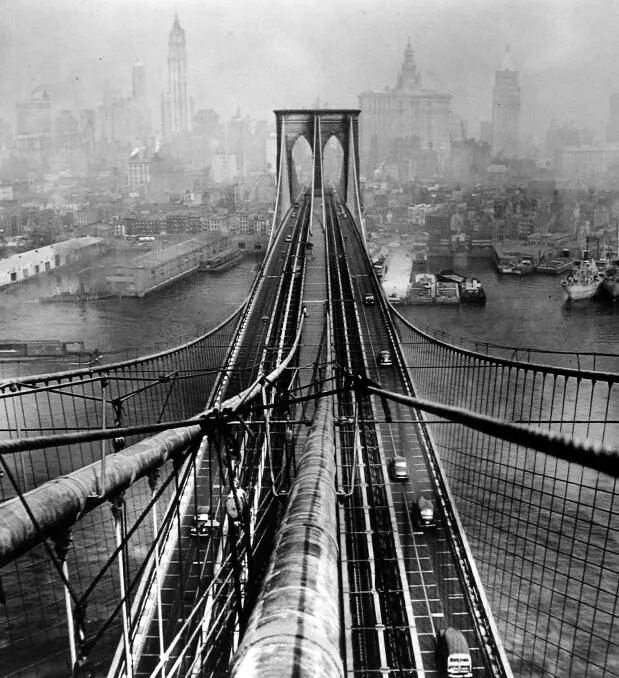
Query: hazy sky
(266, 54)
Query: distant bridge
(270, 438)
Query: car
(369, 299)
(384, 359)
(296, 270)
(398, 468)
(288, 238)
(203, 525)
(423, 513)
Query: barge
(223, 261)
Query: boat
(449, 275)
(423, 290)
(610, 283)
(583, 280)
(73, 298)
(524, 266)
(554, 266)
(447, 293)
(19, 349)
(222, 261)
(472, 292)
(507, 265)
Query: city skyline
(251, 57)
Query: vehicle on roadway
(288, 238)
(452, 654)
(202, 524)
(369, 299)
(384, 359)
(398, 468)
(422, 513)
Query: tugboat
(472, 292)
(583, 281)
(524, 266)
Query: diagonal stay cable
(585, 452)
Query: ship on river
(610, 283)
(583, 280)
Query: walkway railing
(541, 529)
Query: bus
(453, 656)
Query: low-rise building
(20, 267)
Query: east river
(526, 312)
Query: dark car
(384, 359)
(203, 525)
(369, 300)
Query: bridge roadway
(399, 585)
(438, 598)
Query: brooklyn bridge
(316, 487)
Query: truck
(423, 513)
(452, 654)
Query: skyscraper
(138, 80)
(140, 115)
(175, 108)
(506, 110)
(405, 122)
(612, 132)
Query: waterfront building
(506, 110)
(20, 267)
(157, 269)
(34, 129)
(175, 109)
(406, 123)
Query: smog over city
(261, 55)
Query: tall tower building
(506, 110)
(138, 80)
(612, 133)
(140, 114)
(176, 109)
(405, 124)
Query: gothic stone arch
(317, 126)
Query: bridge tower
(317, 126)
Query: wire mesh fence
(541, 529)
(175, 384)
